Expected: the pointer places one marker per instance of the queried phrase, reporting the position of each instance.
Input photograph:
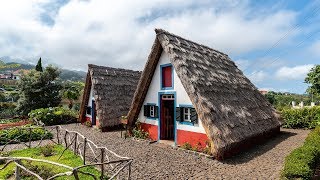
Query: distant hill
(65, 74)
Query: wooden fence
(108, 162)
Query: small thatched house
(191, 93)
(108, 93)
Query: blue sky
(274, 42)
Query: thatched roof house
(191, 93)
(107, 95)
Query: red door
(167, 119)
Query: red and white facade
(167, 112)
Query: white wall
(181, 97)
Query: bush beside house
(54, 116)
(301, 118)
(301, 162)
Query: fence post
(65, 138)
(30, 136)
(102, 161)
(75, 174)
(58, 134)
(17, 171)
(84, 150)
(129, 171)
(75, 143)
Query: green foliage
(5, 66)
(138, 132)
(6, 121)
(42, 170)
(313, 78)
(47, 150)
(284, 100)
(39, 90)
(72, 91)
(7, 110)
(68, 158)
(186, 146)
(301, 118)
(23, 135)
(3, 154)
(54, 116)
(301, 162)
(39, 66)
(88, 123)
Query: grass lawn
(68, 158)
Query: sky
(274, 42)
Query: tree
(313, 78)
(39, 90)
(72, 91)
(271, 97)
(39, 66)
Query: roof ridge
(162, 31)
(111, 68)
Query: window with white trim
(151, 111)
(187, 114)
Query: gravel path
(155, 161)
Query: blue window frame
(161, 77)
(188, 115)
(151, 111)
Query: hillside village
(183, 105)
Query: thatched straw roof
(230, 107)
(113, 90)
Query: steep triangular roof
(230, 107)
(113, 90)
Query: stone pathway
(151, 161)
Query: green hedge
(7, 110)
(54, 116)
(23, 135)
(301, 118)
(301, 162)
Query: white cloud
(120, 33)
(293, 73)
(315, 48)
(257, 76)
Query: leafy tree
(39, 66)
(271, 97)
(72, 91)
(313, 78)
(39, 90)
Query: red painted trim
(151, 129)
(194, 138)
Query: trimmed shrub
(47, 150)
(301, 118)
(54, 116)
(23, 135)
(301, 162)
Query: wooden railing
(108, 162)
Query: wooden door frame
(174, 114)
(93, 112)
